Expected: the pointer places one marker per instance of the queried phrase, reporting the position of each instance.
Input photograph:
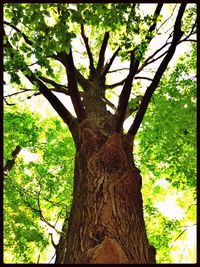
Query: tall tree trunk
(106, 224)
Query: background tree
(107, 207)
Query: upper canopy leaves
(38, 31)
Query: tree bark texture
(106, 224)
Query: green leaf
(5, 39)
(67, 50)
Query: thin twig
(167, 19)
(38, 260)
(102, 51)
(111, 71)
(8, 103)
(182, 253)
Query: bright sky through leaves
(153, 146)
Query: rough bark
(106, 224)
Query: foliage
(38, 175)
(156, 158)
(166, 154)
(39, 186)
(172, 114)
(52, 28)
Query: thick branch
(85, 39)
(68, 62)
(110, 104)
(10, 163)
(54, 101)
(134, 64)
(108, 65)
(125, 94)
(150, 90)
(102, 52)
(81, 80)
(62, 90)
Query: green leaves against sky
(43, 171)
(42, 178)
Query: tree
(106, 222)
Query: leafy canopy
(40, 179)
(166, 141)
(51, 28)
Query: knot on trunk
(110, 159)
(113, 155)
